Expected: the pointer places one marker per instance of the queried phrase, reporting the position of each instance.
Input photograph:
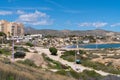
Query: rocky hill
(31, 30)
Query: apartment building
(11, 28)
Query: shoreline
(73, 47)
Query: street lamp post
(77, 51)
(76, 60)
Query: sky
(63, 14)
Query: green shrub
(90, 75)
(85, 75)
(56, 64)
(15, 47)
(10, 78)
(29, 44)
(53, 50)
(62, 72)
(5, 51)
(82, 52)
(25, 49)
(28, 62)
(70, 73)
(19, 55)
(92, 56)
(21, 48)
(100, 66)
(69, 56)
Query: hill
(68, 32)
(16, 71)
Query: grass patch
(69, 56)
(21, 48)
(16, 71)
(113, 57)
(92, 56)
(28, 62)
(5, 51)
(85, 75)
(29, 44)
(54, 64)
(100, 66)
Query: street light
(77, 53)
(77, 61)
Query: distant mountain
(31, 30)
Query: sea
(93, 46)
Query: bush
(100, 66)
(54, 64)
(21, 48)
(5, 51)
(29, 44)
(82, 52)
(53, 50)
(92, 56)
(85, 75)
(28, 62)
(19, 55)
(90, 75)
(70, 56)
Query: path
(76, 67)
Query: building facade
(12, 28)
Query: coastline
(93, 46)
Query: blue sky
(63, 14)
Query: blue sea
(93, 46)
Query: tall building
(11, 28)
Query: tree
(19, 55)
(2, 36)
(53, 50)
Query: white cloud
(6, 12)
(114, 25)
(99, 24)
(84, 24)
(36, 18)
(20, 12)
(28, 8)
(93, 24)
